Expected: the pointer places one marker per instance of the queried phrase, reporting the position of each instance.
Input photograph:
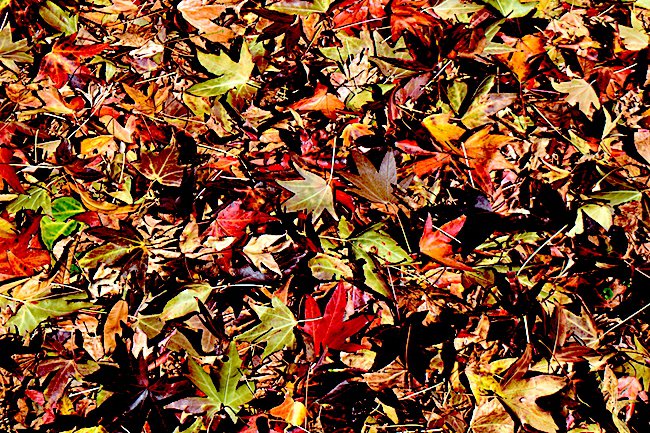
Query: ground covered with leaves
(324, 216)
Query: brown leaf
(112, 327)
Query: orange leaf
(293, 412)
(437, 244)
(322, 101)
(65, 60)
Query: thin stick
(539, 249)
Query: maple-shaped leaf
(481, 152)
(260, 250)
(437, 243)
(7, 172)
(12, 52)
(357, 13)
(125, 246)
(580, 92)
(375, 185)
(226, 392)
(201, 16)
(312, 194)
(161, 167)
(276, 327)
(409, 16)
(233, 220)
(65, 60)
(232, 76)
(520, 395)
(322, 101)
(330, 330)
(22, 254)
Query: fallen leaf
(375, 185)
(312, 194)
(580, 92)
(112, 326)
(7, 172)
(161, 167)
(322, 101)
(275, 327)
(259, 250)
(437, 243)
(65, 59)
(330, 330)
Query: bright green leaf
(378, 243)
(57, 226)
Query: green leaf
(202, 380)
(350, 46)
(512, 8)
(614, 198)
(59, 18)
(36, 198)
(601, 214)
(11, 52)
(230, 394)
(57, 226)
(378, 243)
(186, 301)
(32, 313)
(312, 193)
(328, 268)
(226, 392)
(301, 7)
(276, 327)
(232, 75)
(371, 275)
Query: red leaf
(322, 101)
(65, 60)
(7, 172)
(437, 244)
(233, 220)
(22, 255)
(330, 331)
(407, 16)
(352, 14)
